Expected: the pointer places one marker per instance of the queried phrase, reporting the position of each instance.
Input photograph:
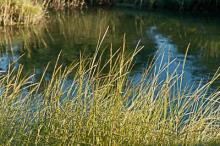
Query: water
(74, 32)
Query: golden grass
(62, 4)
(14, 12)
(91, 103)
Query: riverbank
(25, 12)
(94, 98)
(20, 12)
(181, 5)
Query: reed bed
(17, 12)
(14, 12)
(62, 4)
(94, 103)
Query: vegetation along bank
(14, 12)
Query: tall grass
(62, 4)
(13, 12)
(94, 103)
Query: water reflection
(73, 32)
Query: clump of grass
(96, 103)
(14, 12)
(62, 4)
(101, 2)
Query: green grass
(94, 103)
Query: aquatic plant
(14, 12)
(91, 103)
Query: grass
(62, 4)
(17, 12)
(94, 103)
(26, 12)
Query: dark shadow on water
(75, 32)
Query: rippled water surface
(163, 34)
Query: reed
(22, 12)
(94, 103)
(63, 4)
(17, 12)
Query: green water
(160, 32)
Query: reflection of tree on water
(204, 39)
(7, 58)
(167, 55)
(73, 32)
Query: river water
(164, 34)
